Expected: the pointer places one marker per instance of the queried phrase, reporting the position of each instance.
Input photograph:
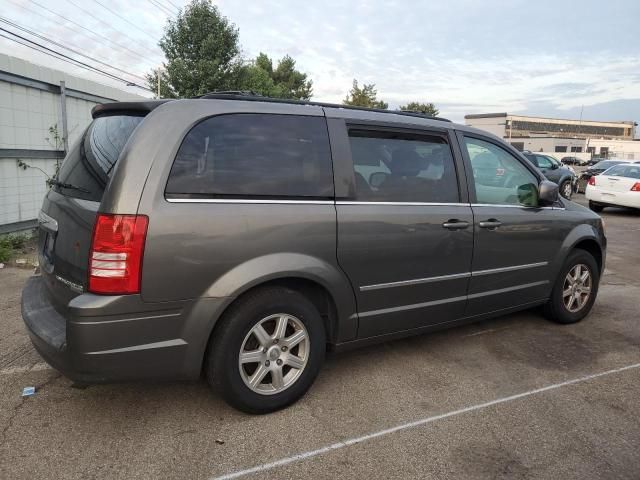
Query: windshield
(88, 166)
(631, 171)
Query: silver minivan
(242, 238)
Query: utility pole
(159, 70)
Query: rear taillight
(636, 187)
(115, 258)
(592, 180)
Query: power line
(162, 7)
(88, 30)
(174, 5)
(119, 16)
(64, 57)
(26, 30)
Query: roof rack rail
(254, 97)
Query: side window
(391, 167)
(499, 177)
(254, 155)
(544, 162)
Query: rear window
(604, 165)
(631, 171)
(89, 164)
(254, 156)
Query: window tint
(254, 155)
(392, 167)
(499, 177)
(91, 161)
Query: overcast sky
(518, 56)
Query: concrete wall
(30, 103)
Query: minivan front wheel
(267, 351)
(575, 290)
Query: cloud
(465, 56)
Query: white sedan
(619, 186)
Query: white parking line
(29, 368)
(417, 423)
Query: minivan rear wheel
(267, 350)
(575, 290)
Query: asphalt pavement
(514, 397)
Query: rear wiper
(60, 184)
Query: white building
(36, 101)
(561, 137)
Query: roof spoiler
(115, 108)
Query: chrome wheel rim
(576, 290)
(567, 190)
(274, 354)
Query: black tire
(566, 185)
(222, 369)
(596, 207)
(555, 309)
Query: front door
(515, 240)
(405, 237)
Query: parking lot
(514, 397)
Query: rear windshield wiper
(60, 184)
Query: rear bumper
(99, 339)
(623, 199)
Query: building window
(604, 152)
(518, 146)
(576, 149)
(591, 150)
(561, 148)
(519, 126)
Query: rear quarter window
(254, 156)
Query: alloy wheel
(576, 289)
(274, 354)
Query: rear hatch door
(70, 207)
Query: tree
(365, 96)
(283, 82)
(202, 51)
(426, 108)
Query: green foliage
(426, 108)
(9, 243)
(202, 51)
(365, 96)
(14, 241)
(282, 82)
(5, 254)
(203, 55)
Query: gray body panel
(388, 270)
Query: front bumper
(99, 339)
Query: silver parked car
(243, 237)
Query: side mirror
(377, 178)
(555, 166)
(528, 195)
(548, 193)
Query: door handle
(491, 224)
(455, 224)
